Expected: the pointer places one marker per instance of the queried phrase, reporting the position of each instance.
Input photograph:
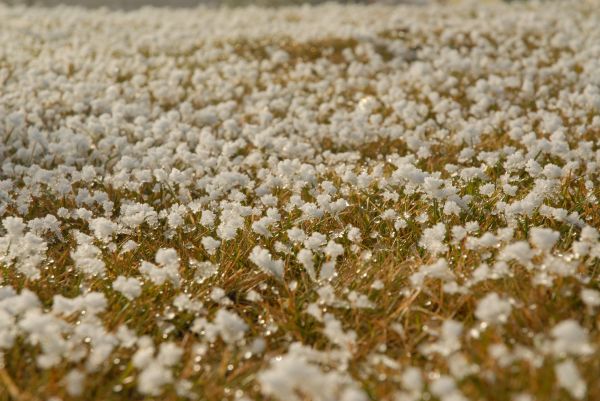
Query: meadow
(325, 203)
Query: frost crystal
(262, 258)
(493, 310)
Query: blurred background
(132, 4)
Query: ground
(317, 203)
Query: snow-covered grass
(333, 203)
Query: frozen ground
(338, 203)
(135, 4)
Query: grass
(385, 255)
(394, 256)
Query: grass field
(330, 203)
